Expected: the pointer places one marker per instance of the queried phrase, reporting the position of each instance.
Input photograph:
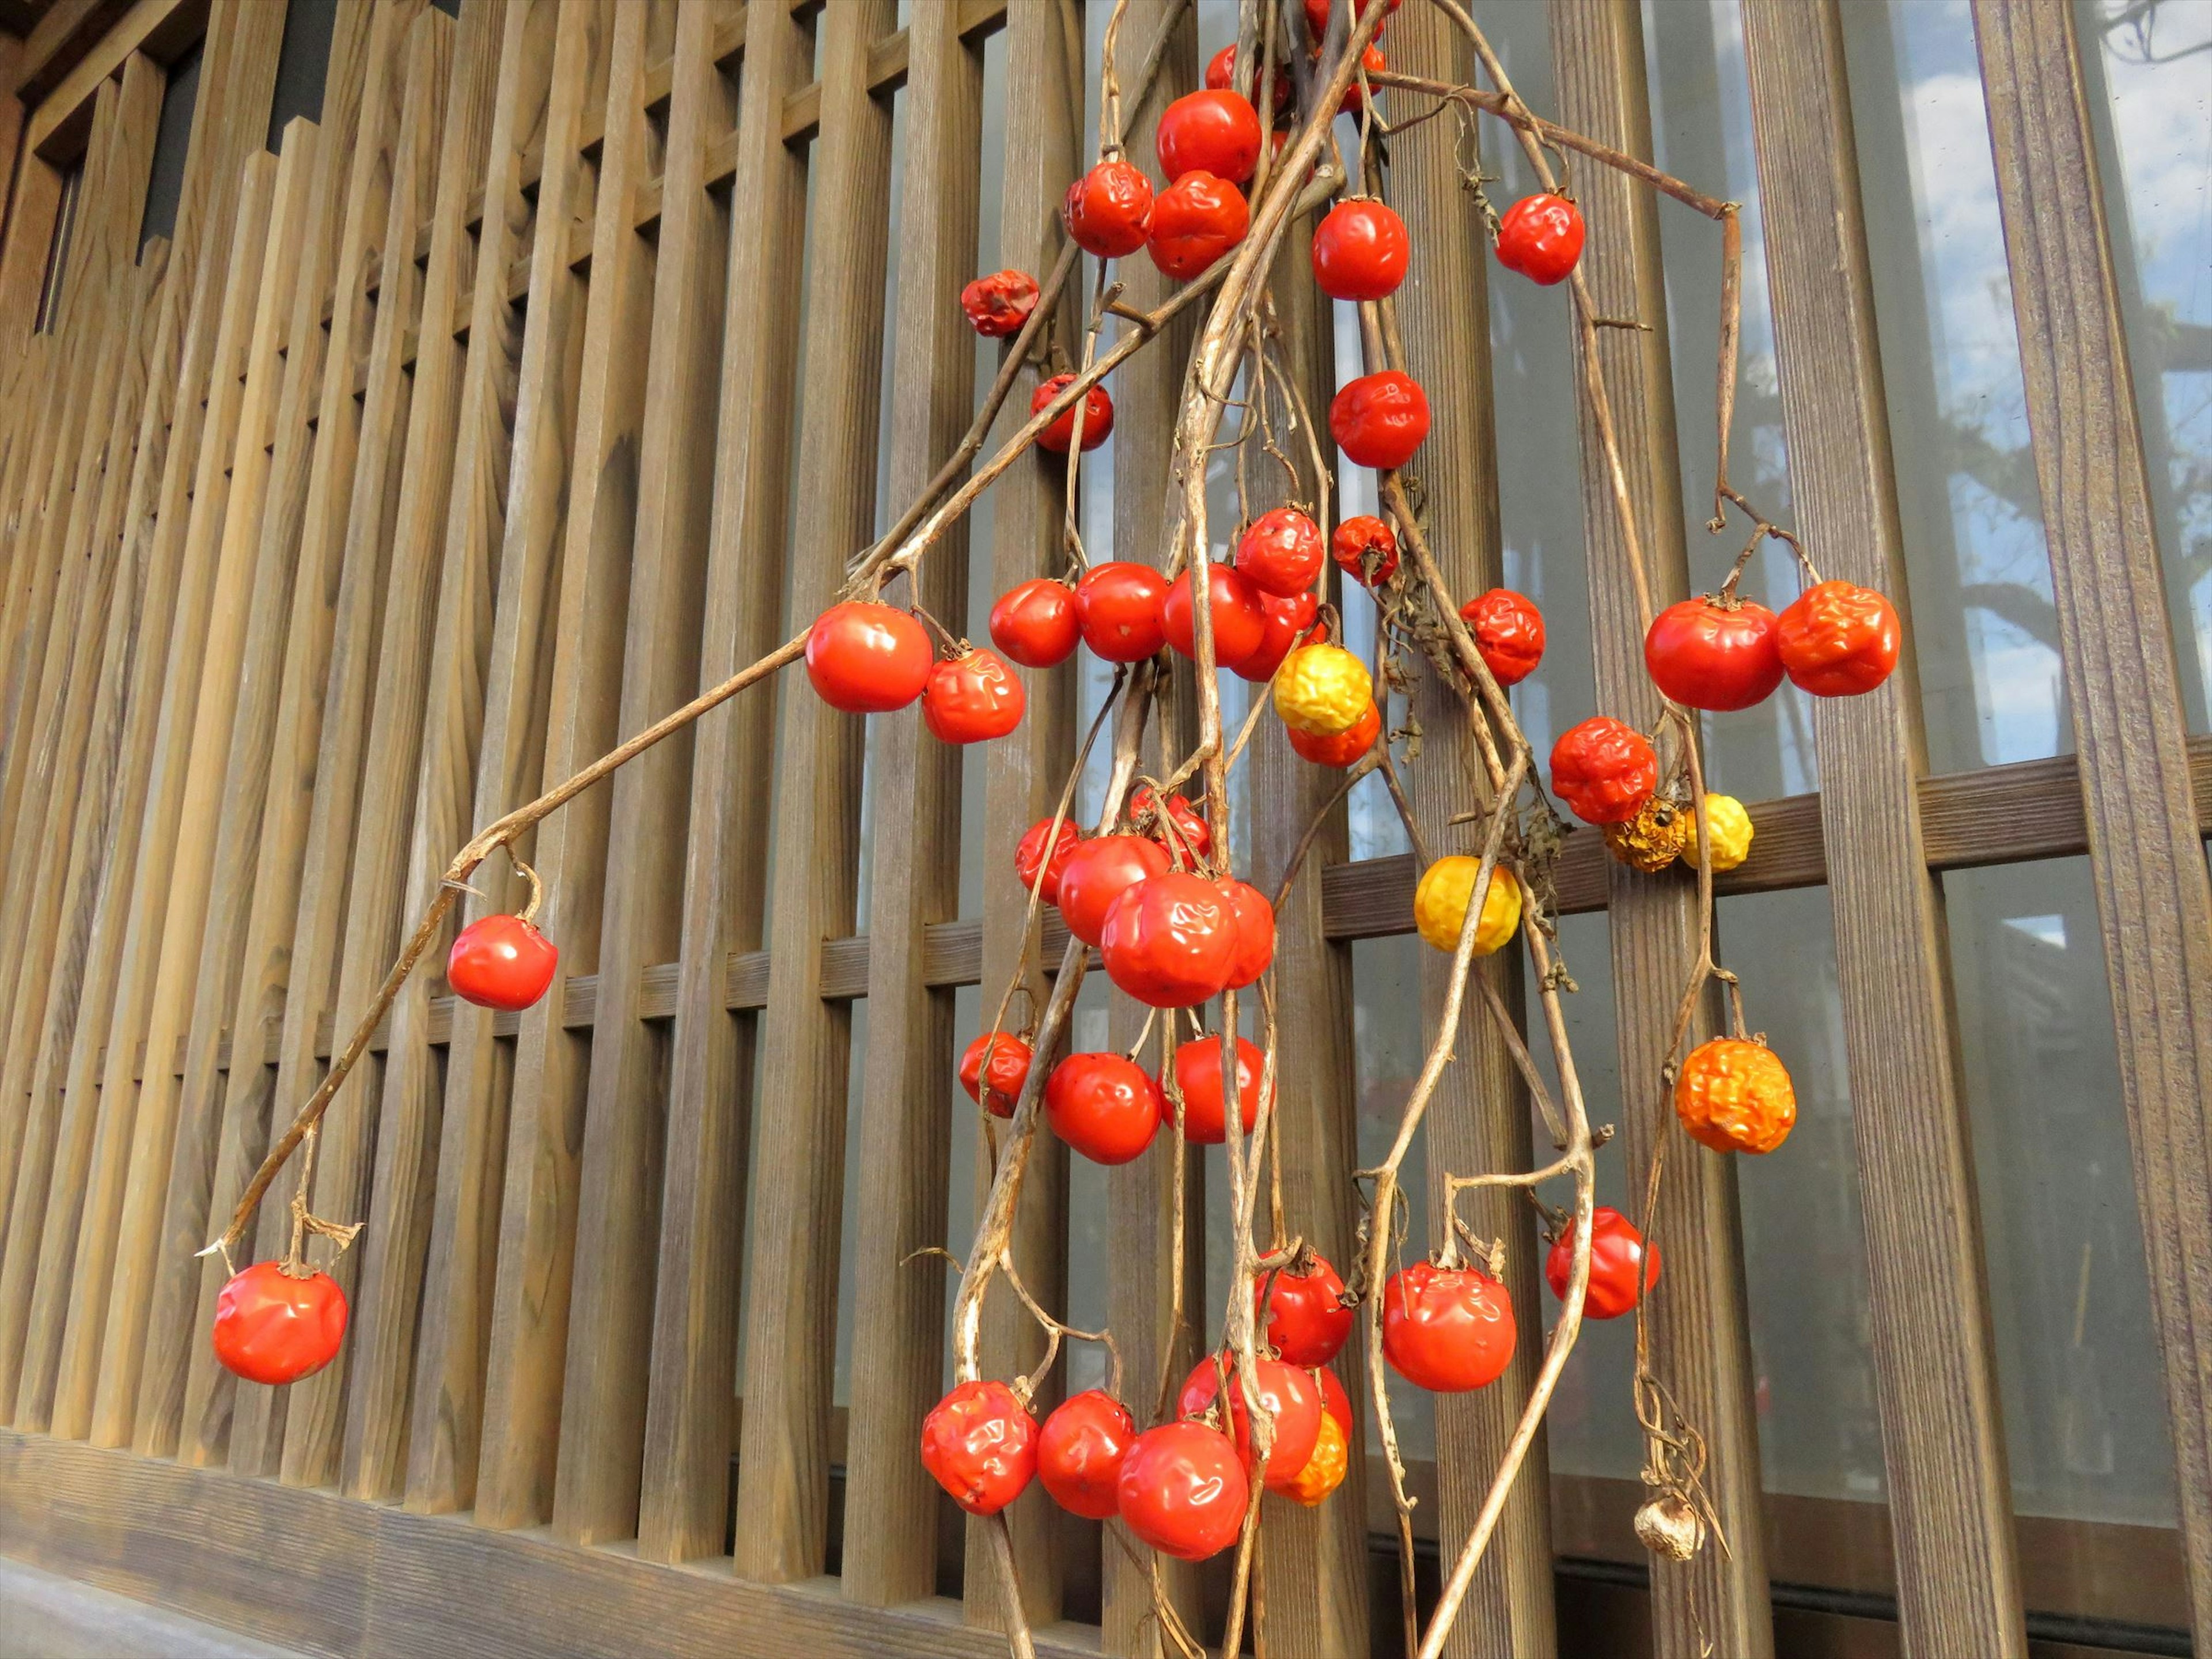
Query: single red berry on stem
(1380, 419)
(1105, 1106)
(1365, 550)
(1710, 653)
(1541, 237)
(1288, 1391)
(1616, 1251)
(1355, 100)
(1211, 130)
(1035, 622)
(1221, 75)
(1118, 607)
(1080, 1451)
(270, 1326)
(867, 658)
(1009, 1068)
(1197, 1076)
(1838, 639)
(1509, 632)
(1170, 940)
(1107, 208)
(1255, 932)
(1059, 434)
(1184, 1491)
(1281, 553)
(1360, 250)
(1188, 826)
(998, 305)
(1301, 1314)
(1240, 626)
(1029, 855)
(1194, 222)
(1289, 623)
(981, 1443)
(1446, 1330)
(973, 698)
(1098, 872)
(501, 961)
(1604, 770)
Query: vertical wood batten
(2146, 855)
(684, 1501)
(906, 1098)
(1700, 1341)
(1950, 1502)
(783, 1468)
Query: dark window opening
(303, 63)
(172, 140)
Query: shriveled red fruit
(1194, 222)
(1009, 1070)
(1509, 632)
(1339, 748)
(1617, 1249)
(1117, 604)
(1355, 100)
(272, 1328)
(1292, 1395)
(867, 658)
(1604, 770)
(1300, 1314)
(1289, 623)
(1541, 237)
(1097, 873)
(1365, 550)
(1170, 940)
(1079, 1453)
(981, 1443)
(1446, 1330)
(1198, 1075)
(1379, 420)
(1105, 1106)
(1221, 75)
(1281, 553)
(1107, 208)
(1059, 434)
(1195, 836)
(1360, 250)
(998, 305)
(1030, 854)
(1318, 18)
(1714, 653)
(1184, 1491)
(1240, 626)
(501, 961)
(1838, 639)
(1035, 622)
(1255, 932)
(1211, 130)
(973, 698)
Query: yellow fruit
(1324, 1471)
(1322, 690)
(1729, 826)
(1440, 904)
(1735, 1096)
(1653, 839)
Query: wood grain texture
(1700, 1343)
(2153, 901)
(1950, 1500)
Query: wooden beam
(162, 30)
(60, 39)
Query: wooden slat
(62, 36)
(783, 1468)
(2153, 903)
(158, 27)
(1950, 1500)
(1714, 1602)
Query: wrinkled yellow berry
(1653, 839)
(1729, 826)
(1322, 690)
(1440, 904)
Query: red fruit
(1184, 1491)
(1616, 1249)
(1104, 1106)
(1318, 18)
(1191, 827)
(1301, 1315)
(981, 1443)
(1355, 100)
(1710, 655)
(1289, 623)
(1170, 941)
(501, 961)
(1335, 1402)
(1034, 622)
(1060, 433)
(1359, 252)
(1009, 1070)
(1118, 608)
(1604, 770)
(1379, 420)
(1240, 626)
(1837, 639)
(1292, 1395)
(998, 305)
(1194, 222)
(1340, 748)
(1541, 237)
(1221, 75)
(272, 1328)
(1030, 854)
(1255, 932)
(1211, 130)
(1364, 550)
(1509, 632)
(1107, 208)
(1097, 873)
(867, 658)
(1198, 1075)
(972, 698)
(1281, 553)
(1079, 1453)
(1446, 1330)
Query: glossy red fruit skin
(1340, 749)
(1117, 604)
(1029, 852)
(1318, 19)
(1509, 632)
(1289, 1393)
(1616, 1249)
(1289, 623)
(1221, 75)
(1034, 622)
(1104, 1106)
(1361, 540)
(1281, 553)
(867, 658)
(1194, 222)
(1379, 420)
(1107, 209)
(981, 1443)
(1010, 1069)
(1240, 625)
(1301, 1316)
(1604, 770)
(271, 1327)
(972, 698)
(501, 961)
(1255, 932)
(1211, 130)
(1446, 1330)
(1335, 1402)
(1060, 433)
(1170, 941)
(1541, 237)
(1079, 1453)
(1191, 827)
(1184, 1491)
(1360, 250)
(998, 305)
(1714, 656)
(1097, 873)
(1838, 639)
(1355, 100)
(1198, 1075)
